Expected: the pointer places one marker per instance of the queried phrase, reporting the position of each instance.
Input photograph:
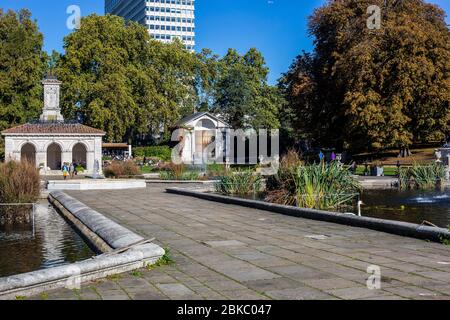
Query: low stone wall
(378, 182)
(104, 234)
(388, 226)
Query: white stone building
(165, 19)
(50, 142)
(201, 129)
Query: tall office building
(165, 19)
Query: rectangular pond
(52, 243)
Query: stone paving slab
(230, 252)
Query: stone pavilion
(50, 141)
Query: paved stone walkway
(230, 252)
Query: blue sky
(276, 27)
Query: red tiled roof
(52, 128)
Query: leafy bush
(119, 169)
(19, 183)
(161, 152)
(80, 169)
(241, 183)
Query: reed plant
(179, 172)
(424, 177)
(321, 186)
(241, 183)
(315, 186)
(19, 183)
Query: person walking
(65, 170)
(321, 156)
(75, 165)
(71, 170)
(333, 156)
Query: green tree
(117, 79)
(22, 67)
(241, 93)
(372, 89)
(206, 79)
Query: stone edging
(394, 227)
(104, 234)
(158, 181)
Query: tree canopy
(371, 89)
(117, 79)
(238, 89)
(22, 67)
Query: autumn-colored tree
(22, 67)
(366, 88)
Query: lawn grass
(419, 154)
(148, 169)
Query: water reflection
(54, 243)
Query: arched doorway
(79, 155)
(28, 153)
(54, 156)
(205, 131)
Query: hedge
(162, 152)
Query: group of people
(322, 156)
(69, 169)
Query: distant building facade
(165, 19)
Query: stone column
(10, 153)
(41, 157)
(97, 155)
(90, 159)
(14, 156)
(66, 155)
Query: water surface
(409, 206)
(53, 243)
